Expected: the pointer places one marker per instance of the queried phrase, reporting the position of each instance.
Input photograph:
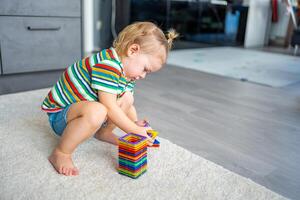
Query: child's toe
(75, 171)
(64, 170)
(60, 170)
(69, 172)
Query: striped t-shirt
(82, 80)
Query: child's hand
(145, 126)
(143, 132)
(141, 122)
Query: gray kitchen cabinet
(38, 37)
(62, 8)
(38, 43)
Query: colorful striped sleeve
(130, 87)
(106, 76)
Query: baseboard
(28, 81)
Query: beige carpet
(173, 172)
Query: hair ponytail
(170, 36)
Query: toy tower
(132, 155)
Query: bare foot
(63, 163)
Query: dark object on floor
(295, 41)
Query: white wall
(258, 23)
(88, 36)
(279, 29)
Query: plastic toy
(132, 155)
(152, 134)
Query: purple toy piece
(146, 124)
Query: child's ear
(133, 49)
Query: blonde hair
(143, 34)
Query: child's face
(138, 64)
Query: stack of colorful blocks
(132, 155)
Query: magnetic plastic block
(132, 155)
(153, 134)
(156, 143)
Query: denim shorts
(58, 121)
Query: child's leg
(83, 119)
(126, 104)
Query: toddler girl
(95, 94)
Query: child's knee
(96, 114)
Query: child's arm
(132, 113)
(116, 114)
